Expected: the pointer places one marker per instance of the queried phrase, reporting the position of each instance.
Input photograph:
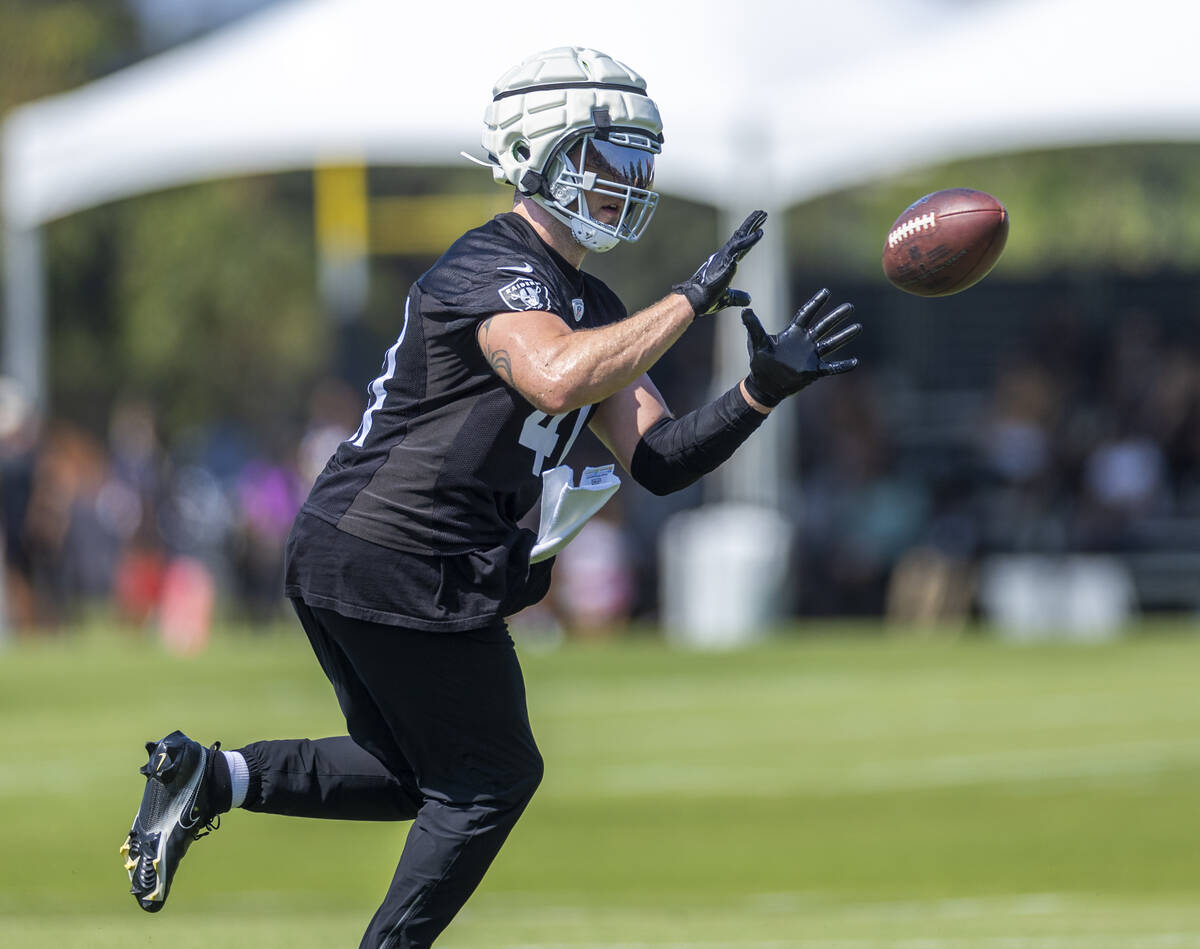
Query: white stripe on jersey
(378, 387)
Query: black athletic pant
(439, 733)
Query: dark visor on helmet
(622, 164)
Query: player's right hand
(708, 289)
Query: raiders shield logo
(525, 293)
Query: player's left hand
(708, 289)
(784, 363)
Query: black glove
(708, 289)
(783, 364)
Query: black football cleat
(175, 810)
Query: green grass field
(840, 789)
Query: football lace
(910, 227)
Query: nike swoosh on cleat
(524, 268)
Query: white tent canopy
(766, 103)
(405, 83)
(808, 95)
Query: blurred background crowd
(203, 368)
(118, 519)
(1085, 439)
(1080, 435)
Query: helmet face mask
(570, 128)
(620, 168)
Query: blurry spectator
(70, 552)
(1172, 417)
(334, 412)
(860, 513)
(1022, 506)
(268, 497)
(929, 589)
(196, 516)
(1016, 440)
(130, 500)
(593, 586)
(194, 525)
(1125, 475)
(1122, 481)
(1135, 354)
(138, 584)
(186, 603)
(137, 458)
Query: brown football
(945, 242)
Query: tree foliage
(218, 311)
(49, 46)
(201, 299)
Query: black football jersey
(448, 457)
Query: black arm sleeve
(675, 452)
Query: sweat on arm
(674, 452)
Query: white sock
(239, 776)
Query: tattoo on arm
(501, 364)
(498, 359)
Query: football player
(407, 556)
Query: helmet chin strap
(592, 237)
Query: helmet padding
(546, 104)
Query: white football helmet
(571, 121)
